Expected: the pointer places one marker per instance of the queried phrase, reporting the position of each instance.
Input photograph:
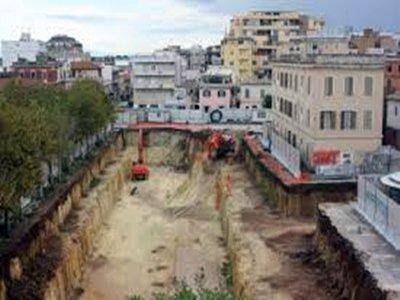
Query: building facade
(154, 79)
(237, 54)
(63, 48)
(46, 73)
(329, 105)
(216, 90)
(255, 95)
(213, 56)
(268, 30)
(392, 75)
(371, 42)
(26, 48)
(305, 46)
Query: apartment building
(255, 95)
(267, 30)
(371, 42)
(237, 54)
(307, 45)
(154, 79)
(392, 75)
(329, 105)
(26, 48)
(216, 89)
(213, 56)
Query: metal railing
(381, 211)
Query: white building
(255, 94)
(155, 78)
(26, 48)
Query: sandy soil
(165, 231)
(283, 264)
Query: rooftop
(333, 60)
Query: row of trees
(39, 125)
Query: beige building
(268, 29)
(307, 45)
(237, 55)
(329, 105)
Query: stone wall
(297, 200)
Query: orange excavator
(220, 144)
(140, 171)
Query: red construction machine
(140, 171)
(220, 144)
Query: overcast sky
(132, 26)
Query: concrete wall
(299, 200)
(345, 266)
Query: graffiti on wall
(326, 157)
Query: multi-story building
(255, 95)
(71, 71)
(216, 89)
(154, 79)
(213, 56)
(45, 73)
(267, 30)
(372, 42)
(392, 75)
(329, 105)
(26, 48)
(307, 45)
(237, 54)
(63, 48)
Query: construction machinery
(220, 144)
(140, 171)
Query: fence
(191, 116)
(56, 172)
(381, 211)
(288, 155)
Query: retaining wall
(37, 254)
(344, 263)
(297, 199)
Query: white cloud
(122, 28)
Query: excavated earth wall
(345, 263)
(49, 256)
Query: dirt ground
(169, 229)
(161, 233)
(284, 265)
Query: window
(290, 81)
(395, 111)
(309, 85)
(296, 83)
(221, 93)
(348, 86)
(327, 120)
(262, 94)
(348, 120)
(368, 86)
(368, 120)
(286, 80)
(328, 91)
(247, 93)
(207, 93)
